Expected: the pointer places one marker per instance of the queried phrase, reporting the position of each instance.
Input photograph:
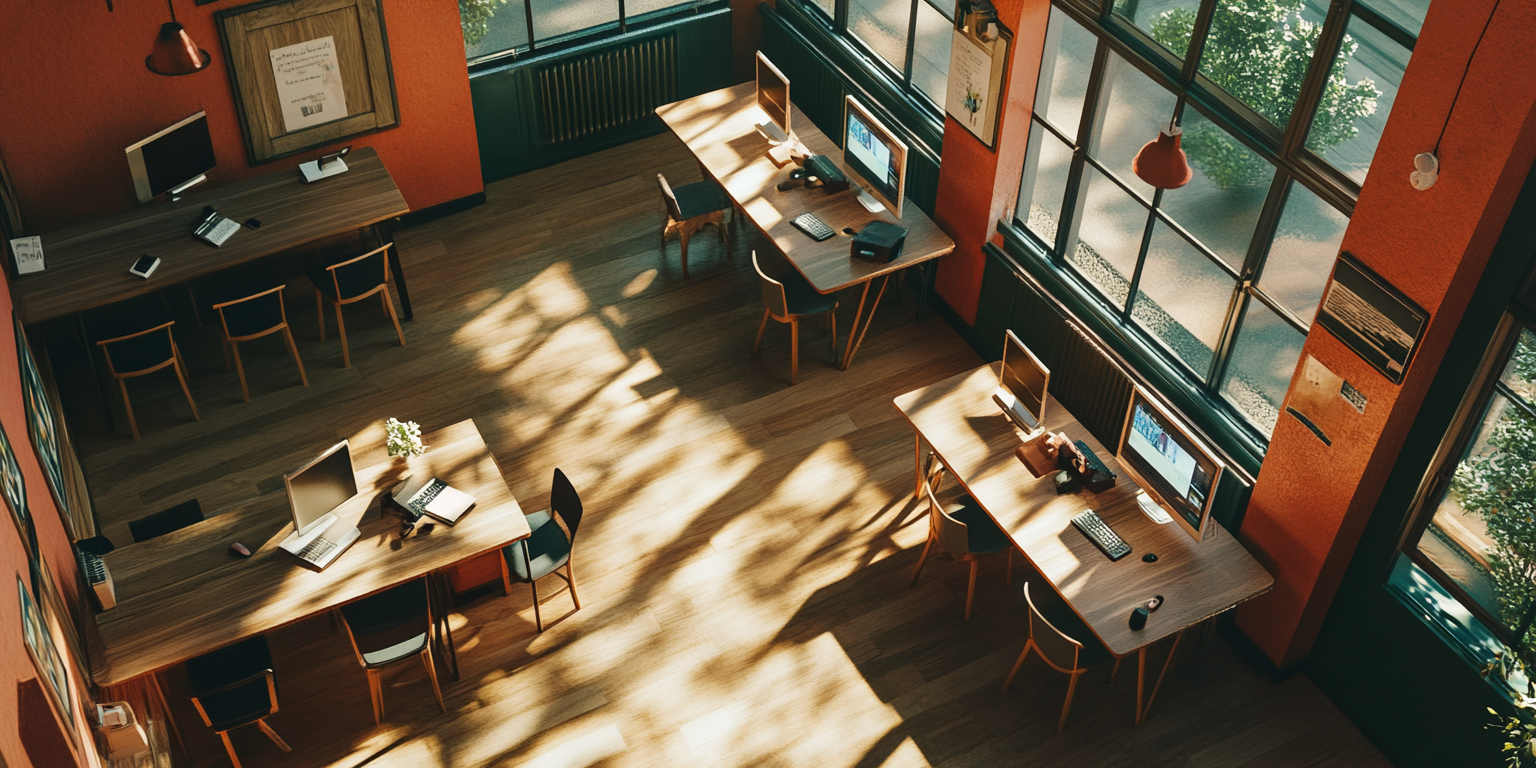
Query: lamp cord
(172, 6)
(1464, 72)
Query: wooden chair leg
(389, 304)
(271, 734)
(1067, 705)
(230, 748)
(245, 391)
(763, 326)
(376, 692)
(1018, 664)
(294, 348)
(683, 231)
(970, 591)
(341, 330)
(320, 312)
(666, 227)
(181, 377)
(133, 425)
(506, 577)
(538, 621)
(570, 579)
(832, 320)
(923, 559)
(426, 660)
(794, 350)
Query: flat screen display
(773, 93)
(876, 155)
(171, 157)
(1025, 377)
(1176, 468)
(321, 486)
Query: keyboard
(812, 226)
(216, 229)
(316, 550)
(424, 497)
(1101, 534)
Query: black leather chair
(547, 548)
(351, 281)
(236, 686)
(251, 317)
(691, 207)
(166, 521)
(388, 628)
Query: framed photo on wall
(51, 671)
(975, 85)
(40, 423)
(14, 489)
(307, 72)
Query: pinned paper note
(29, 254)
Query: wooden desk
(1198, 580)
(719, 127)
(184, 594)
(88, 263)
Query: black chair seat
(982, 534)
(805, 300)
(166, 521)
(701, 197)
(547, 546)
(246, 660)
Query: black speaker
(879, 241)
(1139, 618)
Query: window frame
(607, 30)
(874, 63)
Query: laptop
(315, 490)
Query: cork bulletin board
(307, 73)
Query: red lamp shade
(175, 53)
(1162, 163)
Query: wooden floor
(744, 559)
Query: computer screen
(172, 157)
(1170, 464)
(773, 94)
(320, 486)
(1026, 378)
(876, 156)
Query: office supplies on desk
(1152, 509)
(1096, 476)
(325, 166)
(95, 572)
(821, 168)
(880, 241)
(144, 266)
(813, 227)
(1139, 618)
(29, 254)
(215, 228)
(239, 549)
(314, 491)
(434, 498)
(1102, 536)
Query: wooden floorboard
(745, 556)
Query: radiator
(1083, 378)
(586, 94)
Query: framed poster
(975, 84)
(1372, 318)
(40, 423)
(14, 488)
(51, 671)
(307, 73)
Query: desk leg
(399, 273)
(917, 468)
(1141, 676)
(856, 334)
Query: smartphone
(333, 157)
(145, 266)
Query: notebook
(436, 499)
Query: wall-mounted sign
(1371, 317)
(975, 84)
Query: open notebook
(434, 498)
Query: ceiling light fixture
(1161, 162)
(174, 52)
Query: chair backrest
(564, 501)
(166, 521)
(234, 685)
(139, 351)
(773, 291)
(253, 315)
(389, 618)
(670, 198)
(1058, 650)
(954, 536)
(359, 275)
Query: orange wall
(75, 92)
(1311, 501)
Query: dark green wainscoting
(553, 107)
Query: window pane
(829, 7)
(1220, 205)
(1134, 109)
(1182, 298)
(635, 8)
(1361, 88)
(930, 54)
(1306, 242)
(1258, 51)
(1045, 180)
(1064, 73)
(882, 25)
(1262, 363)
(492, 26)
(1520, 375)
(1408, 14)
(553, 18)
(1170, 22)
(1110, 236)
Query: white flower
(403, 438)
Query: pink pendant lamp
(1161, 162)
(174, 52)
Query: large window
(906, 39)
(1281, 103)
(495, 28)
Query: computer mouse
(1149, 557)
(253, 223)
(850, 231)
(239, 549)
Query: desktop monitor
(1021, 385)
(320, 486)
(1169, 463)
(172, 160)
(876, 157)
(773, 99)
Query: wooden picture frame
(52, 672)
(41, 423)
(337, 79)
(975, 86)
(1382, 326)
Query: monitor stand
(869, 202)
(175, 192)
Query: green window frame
(496, 30)
(905, 41)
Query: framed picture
(1372, 318)
(975, 84)
(51, 671)
(14, 488)
(41, 424)
(307, 72)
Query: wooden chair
(787, 302)
(689, 208)
(252, 317)
(236, 686)
(351, 281)
(547, 548)
(966, 532)
(145, 352)
(166, 521)
(1061, 652)
(388, 628)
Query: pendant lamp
(174, 52)
(1161, 162)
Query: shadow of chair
(789, 300)
(352, 281)
(690, 208)
(547, 548)
(252, 317)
